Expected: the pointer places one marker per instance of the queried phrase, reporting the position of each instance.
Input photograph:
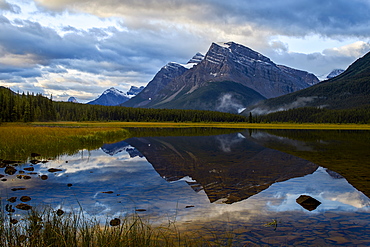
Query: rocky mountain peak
(236, 52)
(134, 90)
(197, 58)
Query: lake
(263, 187)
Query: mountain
(113, 97)
(72, 99)
(334, 73)
(230, 77)
(135, 90)
(348, 90)
(165, 75)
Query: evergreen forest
(32, 108)
(359, 115)
(37, 108)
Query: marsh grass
(18, 141)
(209, 125)
(49, 227)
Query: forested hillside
(360, 115)
(25, 107)
(29, 108)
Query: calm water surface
(246, 183)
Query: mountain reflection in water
(228, 167)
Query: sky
(80, 48)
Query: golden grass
(212, 125)
(18, 141)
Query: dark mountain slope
(350, 89)
(231, 97)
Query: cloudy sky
(82, 47)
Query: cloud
(356, 49)
(123, 43)
(262, 109)
(321, 63)
(288, 17)
(5, 6)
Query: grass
(209, 125)
(18, 141)
(49, 227)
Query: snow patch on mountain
(335, 73)
(115, 91)
(196, 59)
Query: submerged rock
(9, 208)
(108, 192)
(308, 202)
(140, 210)
(54, 170)
(23, 206)
(115, 222)
(59, 212)
(12, 199)
(10, 170)
(15, 189)
(25, 198)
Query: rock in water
(308, 202)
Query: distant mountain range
(348, 90)
(228, 78)
(114, 97)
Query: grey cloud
(9, 72)
(320, 64)
(5, 6)
(287, 17)
(54, 69)
(83, 50)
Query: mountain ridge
(226, 62)
(114, 97)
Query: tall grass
(49, 227)
(19, 141)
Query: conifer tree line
(30, 108)
(359, 115)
